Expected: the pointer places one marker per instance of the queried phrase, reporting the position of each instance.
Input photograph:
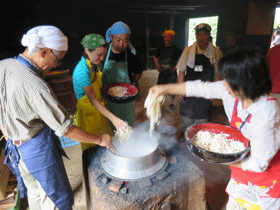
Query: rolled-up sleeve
(52, 112)
(182, 63)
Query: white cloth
(276, 41)
(263, 130)
(45, 36)
(188, 56)
(209, 53)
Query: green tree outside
(276, 20)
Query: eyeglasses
(59, 62)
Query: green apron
(117, 71)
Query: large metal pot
(135, 158)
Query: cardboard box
(4, 176)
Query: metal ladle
(113, 148)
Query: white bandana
(45, 36)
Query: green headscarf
(93, 41)
(202, 27)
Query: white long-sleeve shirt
(263, 129)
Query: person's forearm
(155, 60)
(97, 104)
(181, 77)
(103, 110)
(176, 88)
(156, 63)
(237, 164)
(77, 134)
(3, 132)
(135, 79)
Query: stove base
(182, 186)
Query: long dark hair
(86, 57)
(246, 71)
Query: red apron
(270, 178)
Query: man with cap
(165, 59)
(91, 114)
(121, 65)
(198, 62)
(32, 119)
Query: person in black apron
(32, 119)
(199, 62)
(198, 109)
(165, 59)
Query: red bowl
(217, 129)
(132, 92)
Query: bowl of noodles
(120, 92)
(217, 143)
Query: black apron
(196, 107)
(167, 60)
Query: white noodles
(118, 91)
(153, 106)
(124, 134)
(217, 142)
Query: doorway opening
(192, 22)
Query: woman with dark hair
(91, 112)
(250, 108)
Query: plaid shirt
(27, 102)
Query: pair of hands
(106, 140)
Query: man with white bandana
(197, 61)
(32, 119)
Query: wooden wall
(242, 22)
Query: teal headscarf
(119, 28)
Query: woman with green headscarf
(91, 115)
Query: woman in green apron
(91, 115)
(116, 68)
